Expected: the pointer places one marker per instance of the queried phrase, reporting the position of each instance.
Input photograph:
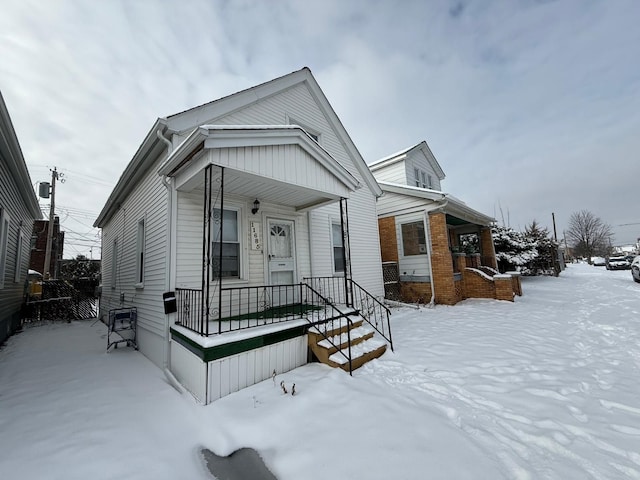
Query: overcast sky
(530, 107)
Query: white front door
(281, 252)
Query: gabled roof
(208, 112)
(187, 120)
(448, 203)
(12, 153)
(252, 135)
(404, 154)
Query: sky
(531, 107)
(542, 388)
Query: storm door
(281, 260)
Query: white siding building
(18, 210)
(234, 205)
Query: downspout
(169, 268)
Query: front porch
(258, 209)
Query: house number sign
(256, 240)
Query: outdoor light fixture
(256, 206)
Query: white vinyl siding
(393, 173)
(149, 202)
(13, 207)
(253, 262)
(419, 172)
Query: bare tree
(588, 234)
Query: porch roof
(458, 212)
(289, 167)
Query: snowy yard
(547, 387)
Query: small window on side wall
(338, 247)
(114, 262)
(413, 239)
(4, 243)
(17, 277)
(140, 253)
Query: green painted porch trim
(208, 354)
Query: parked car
(619, 262)
(635, 269)
(598, 261)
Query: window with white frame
(4, 243)
(226, 241)
(17, 277)
(140, 250)
(337, 244)
(422, 178)
(114, 262)
(414, 241)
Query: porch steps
(364, 347)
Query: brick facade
(441, 261)
(455, 276)
(39, 246)
(487, 248)
(388, 239)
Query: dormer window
(422, 178)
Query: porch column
(487, 248)
(441, 261)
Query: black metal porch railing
(369, 307)
(249, 307)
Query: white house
(18, 209)
(258, 213)
(435, 247)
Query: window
(338, 247)
(229, 244)
(429, 181)
(4, 241)
(413, 239)
(114, 262)
(19, 254)
(416, 174)
(140, 241)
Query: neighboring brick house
(434, 247)
(39, 247)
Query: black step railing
(372, 310)
(250, 307)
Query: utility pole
(47, 258)
(555, 235)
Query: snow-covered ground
(547, 387)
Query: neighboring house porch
(435, 249)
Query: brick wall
(441, 262)
(504, 287)
(415, 292)
(388, 239)
(478, 286)
(487, 248)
